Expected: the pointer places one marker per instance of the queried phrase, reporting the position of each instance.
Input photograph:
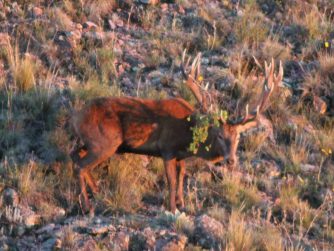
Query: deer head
(226, 139)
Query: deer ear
(246, 126)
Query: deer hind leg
(170, 168)
(77, 156)
(91, 182)
(87, 164)
(181, 172)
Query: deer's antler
(192, 76)
(271, 81)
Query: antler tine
(272, 72)
(257, 63)
(183, 67)
(267, 68)
(257, 110)
(269, 84)
(199, 65)
(278, 78)
(246, 117)
(194, 66)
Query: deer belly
(149, 148)
(141, 139)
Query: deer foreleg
(170, 168)
(83, 188)
(181, 173)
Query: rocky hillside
(55, 56)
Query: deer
(162, 128)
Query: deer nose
(219, 164)
(230, 162)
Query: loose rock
(37, 12)
(121, 241)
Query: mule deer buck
(161, 128)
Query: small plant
(200, 133)
(184, 224)
(181, 222)
(200, 130)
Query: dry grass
(68, 239)
(61, 19)
(327, 69)
(325, 140)
(30, 180)
(238, 236)
(236, 192)
(272, 48)
(298, 211)
(97, 9)
(253, 145)
(251, 28)
(298, 152)
(268, 237)
(22, 68)
(309, 16)
(126, 182)
(217, 213)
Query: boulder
(173, 243)
(10, 197)
(208, 232)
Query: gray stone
(49, 244)
(173, 243)
(20, 230)
(208, 231)
(307, 168)
(121, 241)
(143, 240)
(46, 229)
(10, 197)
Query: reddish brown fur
(159, 128)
